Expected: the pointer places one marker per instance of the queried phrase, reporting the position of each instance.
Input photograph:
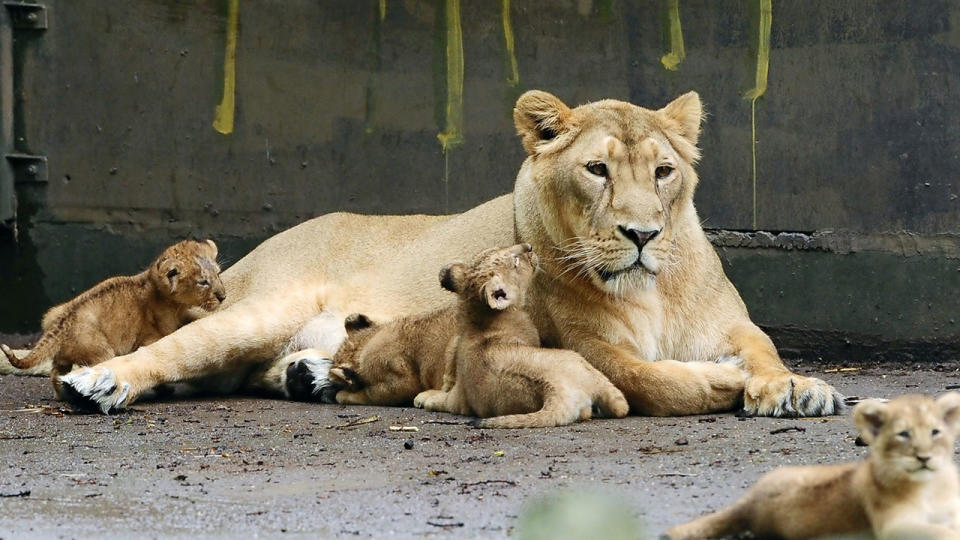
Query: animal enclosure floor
(253, 467)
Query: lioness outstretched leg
(252, 330)
(667, 387)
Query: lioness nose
(637, 236)
(220, 295)
(923, 459)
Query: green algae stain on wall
(223, 115)
(764, 19)
(675, 56)
(452, 134)
(513, 74)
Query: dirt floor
(226, 467)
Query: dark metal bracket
(27, 16)
(28, 169)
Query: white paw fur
(100, 386)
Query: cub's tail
(42, 354)
(561, 407)
(7, 366)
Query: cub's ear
(683, 116)
(170, 270)
(869, 416)
(540, 116)
(497, 294)
(950, 407)
(214, 246)
(357, 321)
(452, 276)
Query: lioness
(120, 314)
(907, 488)
(495, 366)
(630, 280)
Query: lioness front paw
(94, 389)
(308, 377)
(786, 394)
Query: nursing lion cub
(122, 313)
(496, 368)
(390, 364)
(906, 488)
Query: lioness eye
(598, 168)
(663, 171)
(904, 434)
(935, 432)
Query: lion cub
(390, 364)
(906, 488)
(122, 313)
(495, 366)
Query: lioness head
(910, 437)
(612, 184)
(188, 273)
(498, 277)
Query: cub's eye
(203, 283)
(935, 432)
(598, 168)
(904, 434)
(662, 171)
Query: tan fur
(655, 327)
(122, 313)
(391, 364)
(496, 369)
(890, 493)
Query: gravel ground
(226, 467)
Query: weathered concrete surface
(267, 468)
(338, 107)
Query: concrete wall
(338, 106)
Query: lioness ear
(451, 277)
(539, 116)
(497, 294)
(869, 416)
(684, 116)
(950, 407)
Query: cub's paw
(431, 400)
(94, 390)
(789, 395)
(345, 378)
(308, 377)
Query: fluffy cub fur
(390, 364)
(906, 488)
(495, 366)
(122, 313)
